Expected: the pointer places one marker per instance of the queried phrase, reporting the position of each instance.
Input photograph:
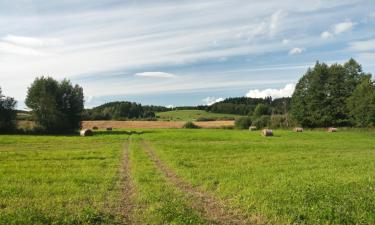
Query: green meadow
(313, 177)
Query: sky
(175, 53)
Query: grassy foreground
(192, 115)
(308, 178)
(292, 178)
(59, 180)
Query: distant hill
(123, 111)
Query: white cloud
(275, 21)
(285, 41)
(326, 35)
(368, 45)
(287, 91)
(155, 75)
(8, 48)
(212, 100)
(296, 51)
(71, 38)
(170, 106)
(343, 27)
(31, 41)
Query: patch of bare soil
(128, 190)
(207, 205)
(102, 124)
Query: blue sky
(179, 52)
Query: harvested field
(151, 124)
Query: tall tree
(7, 113)
(57, 106)
(362, 103)
(320, 97)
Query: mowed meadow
(180, 176)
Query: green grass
(313, 177)
(59, 180)
(192, 115)
(304, 178)
(158, 201)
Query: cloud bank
(287, 91)
(212, 100)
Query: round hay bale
(86, 132)
(109, 128)
(332, 129)
(95, 128)
(267, 132)
(298, 129)
(252, 128)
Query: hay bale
(267, 132)
(332, 129)
(86, 132)
(95, 128)
(298, 129)
(252, 128)
(109, 128)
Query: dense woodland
(326, 95)
(123, 111)
(246, 106)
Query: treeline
(336, 95)
(123, 111)
(326, 95)
(246, 106)
(56, 107)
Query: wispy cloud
(31, 41)
(194, 39)
(343, 27)
(286, 91)
(367, 45)
(338, 29)
(155, 75)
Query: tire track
(207, 205)
(128, 188)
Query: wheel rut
(210, 208)
(128, 188)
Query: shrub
(57, 106)
(242, 123)
(261, 122)
(281, 121)
(7, 113)
(190, 125)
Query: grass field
(59, 180)
(189, 177)
(192, 115)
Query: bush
(57, 106)
(262, 122)
(7, 113)
(281, 121)
(190, 125)
(242, 123)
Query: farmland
(173, 176)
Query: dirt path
(207, 205)
(128, 190)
